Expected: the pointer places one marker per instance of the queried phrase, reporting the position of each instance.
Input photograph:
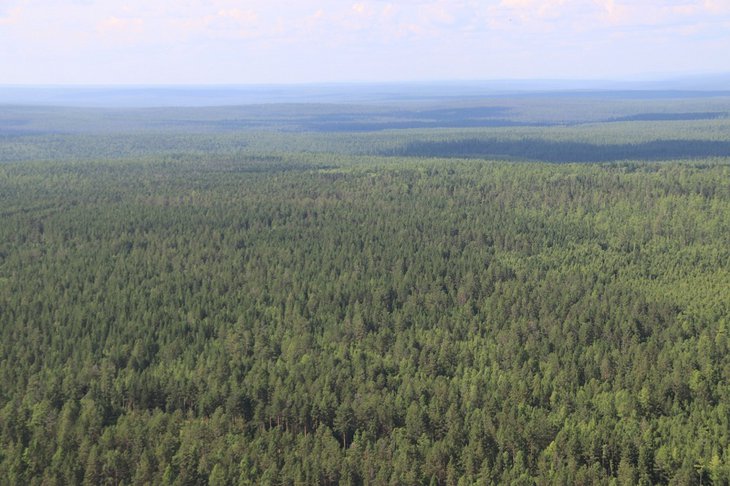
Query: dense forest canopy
(258, 305)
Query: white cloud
(10, 15)
(481, 38)
(120, 25)
(716, 6)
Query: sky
(117, 42)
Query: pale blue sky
(295, 41)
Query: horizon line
(638, 79)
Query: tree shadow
(557, 152)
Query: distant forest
(188, 302)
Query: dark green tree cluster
(321, 320)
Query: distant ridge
(220, 95)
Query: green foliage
(326, 319)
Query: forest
(528, 291)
